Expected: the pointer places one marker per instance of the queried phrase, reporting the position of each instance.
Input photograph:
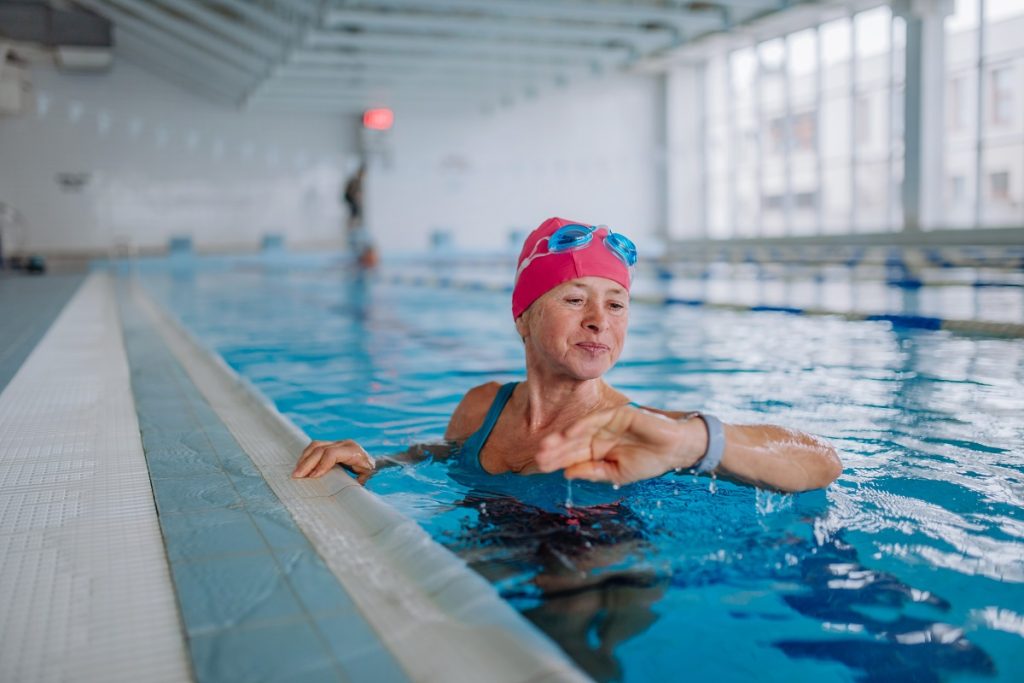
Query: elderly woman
(570, 303)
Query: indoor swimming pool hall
(513, 341)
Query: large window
(811, 125)
(984, 142)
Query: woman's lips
(592, 347)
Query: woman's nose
(594, 318)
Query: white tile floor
(85, 592)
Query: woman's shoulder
(671, 414)
(471, 411)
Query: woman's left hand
(623, 445)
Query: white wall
(164, 162)
(587, 152)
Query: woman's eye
(616, 306)
(574, 300)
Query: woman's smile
(593, 348)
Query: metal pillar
(924, 111)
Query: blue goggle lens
(570, 237)
(623, 246)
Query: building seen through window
(805, 129)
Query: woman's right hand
(320, 456)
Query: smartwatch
(716, 444)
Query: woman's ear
(523, 324)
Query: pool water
(910, 566)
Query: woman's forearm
(768, 456)
(778, 458)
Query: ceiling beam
(308, 10)
(634, 13)
(510, 28)
(417, 67)
(328, 59)
(196, 35)
(152, 57)
(175, 47)
(241, 35)
(469, 47)
(361, 100)
(412, 77)
(406, 83)
(268, 21)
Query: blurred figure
(357, 235)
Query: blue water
(911, 566)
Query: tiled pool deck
(149, 529)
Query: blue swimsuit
(470, 453)
(543, 491)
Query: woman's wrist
(693, 442)
(703, 442)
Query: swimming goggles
(575, 236)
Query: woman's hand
(320, 456)
(626, 444)
(623, 445)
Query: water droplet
(568, 493)
(616, 487)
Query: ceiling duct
(75, 38)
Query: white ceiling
(347, 55)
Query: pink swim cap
(546, 271)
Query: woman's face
(578, 328)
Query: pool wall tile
(277, 528)
(228, 592)
(278, 652)
(189, 494)
(316, 587)
(359, 651)
(211, 533)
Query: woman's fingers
(320, 456)
(309, 458)
(594, 470)
(589, 438)
(558, 452)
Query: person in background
(355, 231)
(570, 304)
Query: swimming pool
(911, 565)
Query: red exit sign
(378, 119)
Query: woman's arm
(768, 456)
(320, 456)
(626, 444)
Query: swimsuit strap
(475, 443)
